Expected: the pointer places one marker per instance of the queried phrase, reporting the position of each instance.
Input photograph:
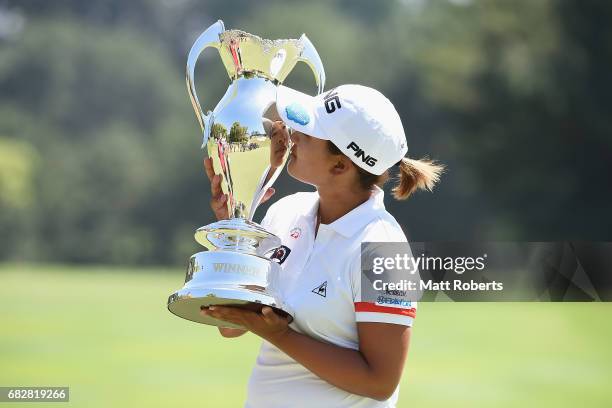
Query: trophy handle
(311, 57)
(209, 38)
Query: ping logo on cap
(369, 160)
(331, 101)
(298, 114)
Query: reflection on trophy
(235, 270)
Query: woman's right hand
(218, 200)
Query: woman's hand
(267, 324)
(218, 201)
(230, 333)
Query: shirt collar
(353, 221)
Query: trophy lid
(245, 54)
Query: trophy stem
(237, 235)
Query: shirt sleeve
(383, 307)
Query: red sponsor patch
(371, 307)
(295, 233)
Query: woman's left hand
(267, 324)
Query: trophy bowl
(235, 270)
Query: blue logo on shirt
(298, 114)
(383, 300)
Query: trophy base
(187, 303)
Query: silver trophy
(235, 270)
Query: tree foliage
(238, 134)
(99, 147)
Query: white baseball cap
(359, 120)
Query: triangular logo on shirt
(321, 290)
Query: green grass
(107, 335)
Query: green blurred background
(102, 187)
(106, 333)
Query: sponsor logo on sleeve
(393, 301)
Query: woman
(339, 351)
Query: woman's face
(310, 161)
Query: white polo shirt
(320, 285)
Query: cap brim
(299, 111)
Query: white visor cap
(359, 120)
